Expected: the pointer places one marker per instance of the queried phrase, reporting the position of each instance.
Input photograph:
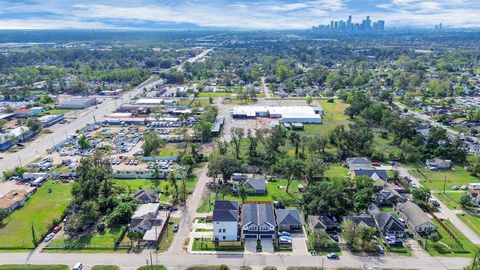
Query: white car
(49, 237)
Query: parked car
(175, 228)
(435, 203)
(381, 250)
(334, 237)
(464, 187)
(49, 237)
(332, 255)
(57, 229)
(454, 187)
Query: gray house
(388, 196)
(256, 186)
(289, 220)
(438, 164)
(322, 223)
(363, 220)
(258, 221)
(146, 196)
(387, 223)
(416, 218)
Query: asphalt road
(281, 261)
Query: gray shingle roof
(257, 213)
(256, 184)
(322, 222)
(370, 172)
(225, 211)
(413, 213)
(288, 217)
(365, 220)
(146, 196)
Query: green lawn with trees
(105, 267)
(435, 180)
(41, 212)
(33, 267)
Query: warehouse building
(77, 103)
(286, 114)
(49, 120)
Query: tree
(332, 198)
(421, 195)
(350, 233)
(474, 166)
(290, 168)
(237, 136)
(317, 144)
(319, 239)
(364, 193)
(203, 129)
(253, 142)
(83, 142)
(134, 235)
(152, 143)
(3, 215)
(242, 192)
(173, 180)
(314, 168)
(189, 162)
(295, 139)
(34, 124)
(2, 124)
(466, 200)
(223, 165)
(309, 99)
(122, 213)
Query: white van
(78, 266)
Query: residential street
(281, 261)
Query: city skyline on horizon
(230, 14)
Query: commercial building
(150, 101)
(14, 199)
(28, 112)
(110, 92)
(21, 134)
(77, 103)
(49, 120)
(286, 114)
(6, 142)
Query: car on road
(435, 203)
(332, 256)
(49, 237)
(175, 228)
(454, 187)
(464, 187)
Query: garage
(250, 236)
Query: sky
(230, 14)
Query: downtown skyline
(229, 14)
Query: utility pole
(151, 262)
(444, 183)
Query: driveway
(299, 244)
(250, 245)
(267, 245)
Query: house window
(223, 230)
(219, 230)
(224, 237)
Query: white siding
(225, 230)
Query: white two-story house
(225, 221)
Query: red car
(376, 164)
(57, 229)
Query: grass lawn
(168, 236)
(384, 145)
(275, 191)
(105, 267)
(403, 250)
(168, 150)
(435, 179)
(471, 221)
(154, 267)
(450, 198)
(33, 267)
(447, 246)
(215, 94)
(40, 211)
(166, 188)
(204, 244)
(337, 171)
(104, 242)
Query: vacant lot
(451, 198)
(104, 242)
(39, 213)
(435, 179)
(168, 236)
(333, 115)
